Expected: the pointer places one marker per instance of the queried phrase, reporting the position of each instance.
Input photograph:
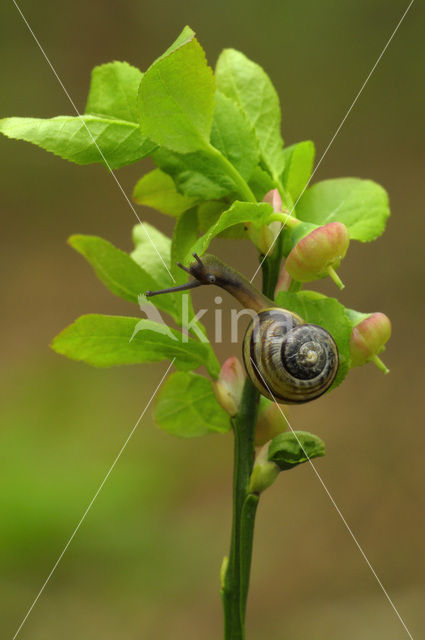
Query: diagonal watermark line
(92, 501)
(347, 526)
(335, 134)
(91, 136)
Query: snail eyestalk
(183, 287)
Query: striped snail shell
(286, 359)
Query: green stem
(241, 185)
(235, 584)
(236, 568)
(285, 218)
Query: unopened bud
(319, 253)
(229, 386)
(264, 472)
(270, 421)
(273, 198)
(264, 238)
(368, 338)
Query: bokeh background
(145, 562)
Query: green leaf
(197, 175)
(84, 139)
(289, 449)
(153, 255)
(176, 98)
(326, 312)
(112, 266)
(362, 205)
(233, 135)
(113, 91)
(156, 189)
(186, 406)
(208, 214)
(248, 85)
(107, 341)
(299, 159)
(258, 213)
(122, 274)
(184, 236)
(356, 317)
(260, 183)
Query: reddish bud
(319, 253)
(229, 386)
(368, 338)
(273, 198)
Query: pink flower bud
(368, 339)
(319, 253)
(264, 238)
(273, 198)
(270, 422)
(229, 386)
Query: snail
(286, 359)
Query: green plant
(221, 171)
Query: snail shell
(287, 359)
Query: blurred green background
(145, 562)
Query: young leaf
(247, 84)
(328, 313)
(233, 135)
(289, 449)
(84, 139)
(196, 175)
(208, 214)
(362, 205)
(186, 406)
(113, 91)
(107, 341)
(156, 189)
(121, 274)
(176, 98)
(260, 183)
(258, 213)
(299, 159)
(184, 236)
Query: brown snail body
(286, 359)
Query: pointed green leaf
(328, 313)
(113, 91)
(176, 99)
(362, 205)
(120, 273)
(84, 139)
(299, 159)
(240, 212)
(291, 448)
(208, 214)
(233, 135)
(156, 189)
(186, 406)
(250, 87)
(260, 183)
(197, 175)
(107, 341)
(184, 237)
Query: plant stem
(236, 569)
(235, 587)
